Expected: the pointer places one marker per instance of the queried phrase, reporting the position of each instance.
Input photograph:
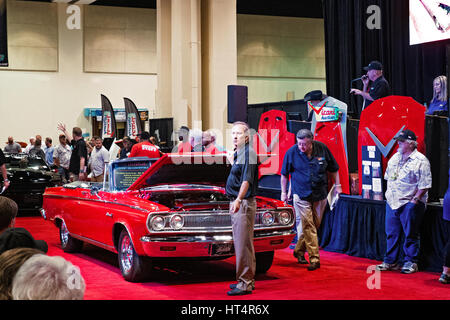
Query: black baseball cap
(20, 238)
(374, 65)
(314, 95)
(406, 135)
(144, 135)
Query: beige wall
(34, 102)
(277, 55)
(121, 40)
(32, 36)
(273, 56)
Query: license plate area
(222, 249)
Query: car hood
(196, 168)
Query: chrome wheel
(68, 243)
(134, 268)
(127, 254)
(64, 233)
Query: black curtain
(350, 45)
(3, 38)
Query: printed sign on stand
(372, 173)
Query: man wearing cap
(314, 98)
(307, 163)
(144, 148)
(408, 178)
(379, 87)
(11, 237)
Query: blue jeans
(406, 219)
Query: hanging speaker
(237, 103)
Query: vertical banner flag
(3, 35)
(108, 119)
(133, 125)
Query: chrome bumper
(211, 245)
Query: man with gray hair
(408, 178)
(42, 277)
(307, 163)
(241, 188)
(195, 138)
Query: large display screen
(429, 20)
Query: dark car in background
(29, 176)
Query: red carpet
(340, 277)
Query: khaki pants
(98, 178)
(311, 216)
(243, 223)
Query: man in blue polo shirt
(307, 163)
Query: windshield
(22, 161)
(123, 173)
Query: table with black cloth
(356, 227)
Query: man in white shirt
(61, 157)
(408, 178)
(31, 145)
(99, 157)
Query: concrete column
(197, 60)
(164, 62)
(219, 68)
(179, 61)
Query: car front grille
(218, 221)
(207, 221)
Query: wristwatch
(416, 199)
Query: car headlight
(157, 223)
(177, 222)
(284, 217)
(267, 218)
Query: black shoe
(238, 292)
(313, 266)
(302, 260)
(234, 285)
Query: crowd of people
(26, 271)
(24, 264)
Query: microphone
(364, 77)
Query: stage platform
(356, 227)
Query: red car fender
(135, 236)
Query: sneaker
(234, 285)
(409, 267)
(445, 279)
(387, 267)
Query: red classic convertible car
(174, 206)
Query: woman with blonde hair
(439, 103)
